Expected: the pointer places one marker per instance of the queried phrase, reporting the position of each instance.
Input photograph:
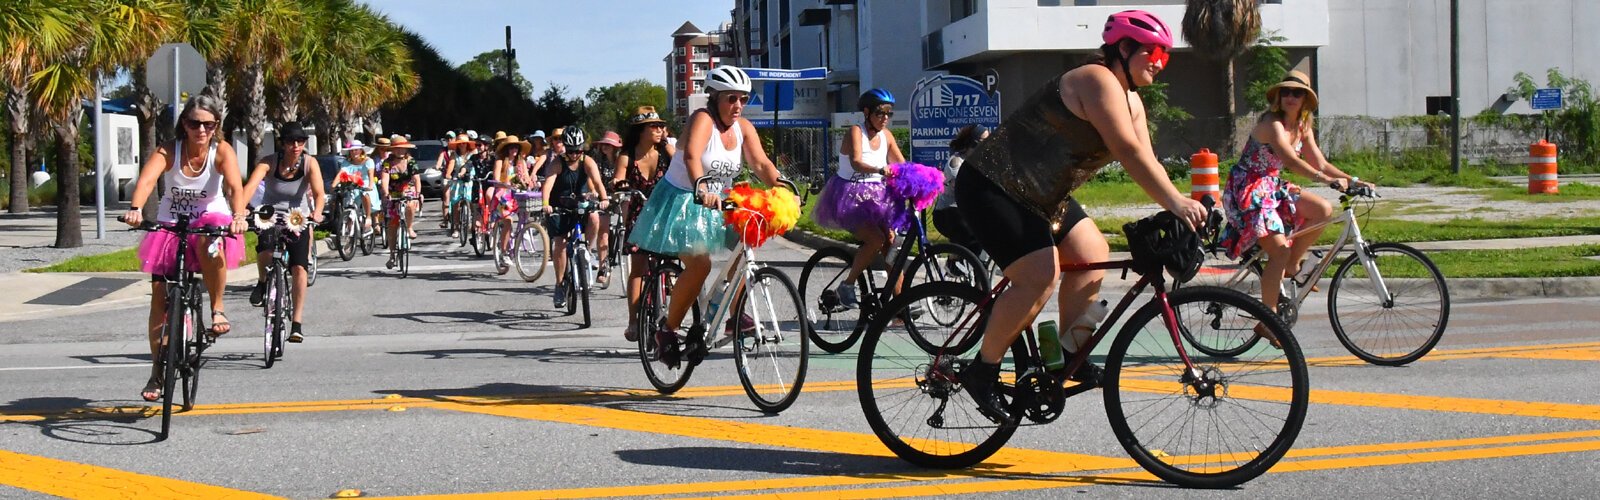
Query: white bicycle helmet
(573, 138)
(726, 78)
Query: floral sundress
(1258, 201)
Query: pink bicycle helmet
(1141, 26)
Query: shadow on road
(819, 463)
(78, 420)
(565, 355)
(507, 319)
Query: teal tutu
(672, 224)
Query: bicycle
(617, 261)
(278, 299)
(400, 251)
(1390, 316)
(835, 329)
(580, 270)
(523, 242)
(348, 220)
(184, 293)
(1261, 398)
(776, 333)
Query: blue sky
(577, 43)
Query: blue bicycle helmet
(874, 98)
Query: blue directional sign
(1544, 99)
(790, 98)
(940, 106)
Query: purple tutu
(847, 205)
(159, 250)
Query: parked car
(427, 155)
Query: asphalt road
(457, 381)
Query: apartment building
(694, 52)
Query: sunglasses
(1159, 55)
(193, 124)
(1295, 93)
(741, 99)
(886, 114)
(662, 126)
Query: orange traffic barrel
(1542, 168)
(1203, 178)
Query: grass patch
(127, 260)
(1550, 262)
(1569, 192)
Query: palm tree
(31, 32)
(358, 61)
(119, 33)
(260, 33)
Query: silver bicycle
(1387, 302)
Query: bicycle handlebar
(154, 226)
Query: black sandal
(152, 389)
(225, 324)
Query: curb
(1460, 288)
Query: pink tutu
(847, 205)
(158, 253)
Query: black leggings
(1003, 226)
(950, 224)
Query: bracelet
(135, 209)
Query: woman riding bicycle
(572, 176)
(459, 161)
(642, 162)
(604, 154)
(1263, 209)
(510, 169)
(854, 199)
(685, 219)
(1015, 189)
(198, 184)
(358, 165)
(287, 178)
(402, 179)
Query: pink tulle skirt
(158, 253)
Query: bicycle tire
(194, 349)
(463, 225)
(403, 240)
(834, 329)
(1408, 348)
(653, 301)
(481, 237)
(582, 284)
(269, 316)
(780, 339)
(171, 354)
(366, 242)
(311, 265)
(1230, 344)
(1266, 399)
(911, 379)
(502, 233)
(532, 252)
(345, 240)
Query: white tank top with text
(723, 164)
(195, 196)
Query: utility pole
(511, 57)
(1455, 86)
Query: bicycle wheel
(1220, 425)
(269, 315)
(311, 265)
(480, 240)
(663, 359)
(1393, 330)
(403, 240)
(946, 262)
(581, 285)
(463, 225)
(532, 252)
(345, 239)
(771, 353)
(1228, 343)
(912, 398)
(501, 240)
(194, 347)
(171, 353)
(834, 327)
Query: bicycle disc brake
(1206, 391)
(1040, 397)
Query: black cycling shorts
(1002, 226)
(299, 251)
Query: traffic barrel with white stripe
(1542, 168)
(1203, 178)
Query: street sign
(190, 71)
(789, 98)
(940, 106)
(1544, 99)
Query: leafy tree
(556, 109)
(1577, 124)
(32, 32)
(610, 107)
(1268, 63)
(492, 64)
(1158, 110)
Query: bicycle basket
(1162, 241)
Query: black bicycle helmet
(874, 98)
(573, 138)
(1163, 242)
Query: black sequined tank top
(1041, 153)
